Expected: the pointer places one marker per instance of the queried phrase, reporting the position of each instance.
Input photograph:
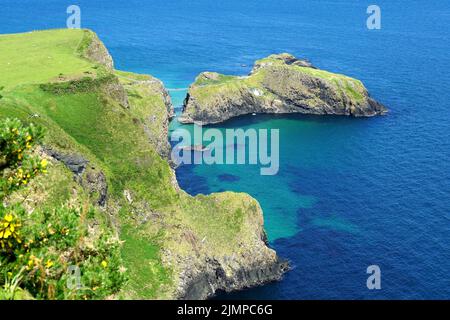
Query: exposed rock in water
(196, 148)
(277, 84)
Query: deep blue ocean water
(350, 192)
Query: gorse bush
(49, 244)
(9, 231)
(17, 164)
(56, 253)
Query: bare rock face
(210, 277)
(90, 178)
(96, 51)
(74, 162)
(206, 279)
(94, 181)
(161, 142)
(277, 84)
(205, 270)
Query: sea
(350, 192)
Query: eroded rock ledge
(211, 277)
(280, 83)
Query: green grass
(143, 260)
(350, 86)
(51, 190)
(130, 77)
(39, 57)
(80, 117)
(205, 90)
(353, 88)
(221, 79)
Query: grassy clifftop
(40, 57)
(112, 125)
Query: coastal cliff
(107, 144)
(280, 83)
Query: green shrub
(48, 244)
(17, 164)
(84, 84)
(40, 249)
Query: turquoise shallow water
(350, 192)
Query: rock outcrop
(74, 162)
(94, 50)
(277, 84)
(209, 276)
(90, 178)
(205, 269)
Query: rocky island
(107, 149)
(280, 83)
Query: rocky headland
(107, 142)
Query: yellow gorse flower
(9, 229)
(44, 163)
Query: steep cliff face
(277, 84)
(206, 265)
(155, 114)
(205, 275)
(94, 50)
(109, 129)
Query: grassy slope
(47, 53)
(91, 123)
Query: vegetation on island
(279, 83)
